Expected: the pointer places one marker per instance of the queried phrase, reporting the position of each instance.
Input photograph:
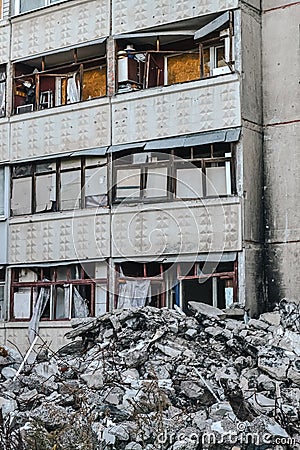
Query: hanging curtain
(38, 310)
(133, 293)
(73, 89)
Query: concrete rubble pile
(150, 379)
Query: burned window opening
(59, 185)
(54, 293)
(208, 283)
(60, 79)
(2, 292)
(183, 173)
(151, 61)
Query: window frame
(174, 163)
(53, 284)
(57, 172)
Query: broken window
(60, 79)
(183, 173)
(58, 185)
(165, 57)
(55, 293)
(140, 284)
(210, 283)
(2, 88)
(22, 6)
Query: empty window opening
(61, 185)
(60, 79)
(216, 287)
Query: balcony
(58, 26)
(4, 43)
(192, 107)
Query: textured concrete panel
(4, 140)
(60, 26)
(283, 276)
(4, 44)
(51, 332)
(176, 110)
(281, 65)
(61, 238)
(131, 15)
(253, 184)
(3, 246)
(62, 129)
(211, 227)
(282, 193)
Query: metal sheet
(233, 135)
(165, 143)
(213, 26)
(63, 49)
(155, 34)
(122, 147)
(97, 151)
(205, 138)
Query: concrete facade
(233, 108)
(281, 97)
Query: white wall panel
(176, 230)
(130, 15)
(59, 238)
(176, 110)
(60, 26)
(66, 128)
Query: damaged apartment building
(132, 158)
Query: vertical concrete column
(111, 66)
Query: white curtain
(73, 90)
(133, 293)
(38, 310)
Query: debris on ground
(151, 379)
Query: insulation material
(133, 293)
(184, 67)
(94, 83)
(38, 309)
